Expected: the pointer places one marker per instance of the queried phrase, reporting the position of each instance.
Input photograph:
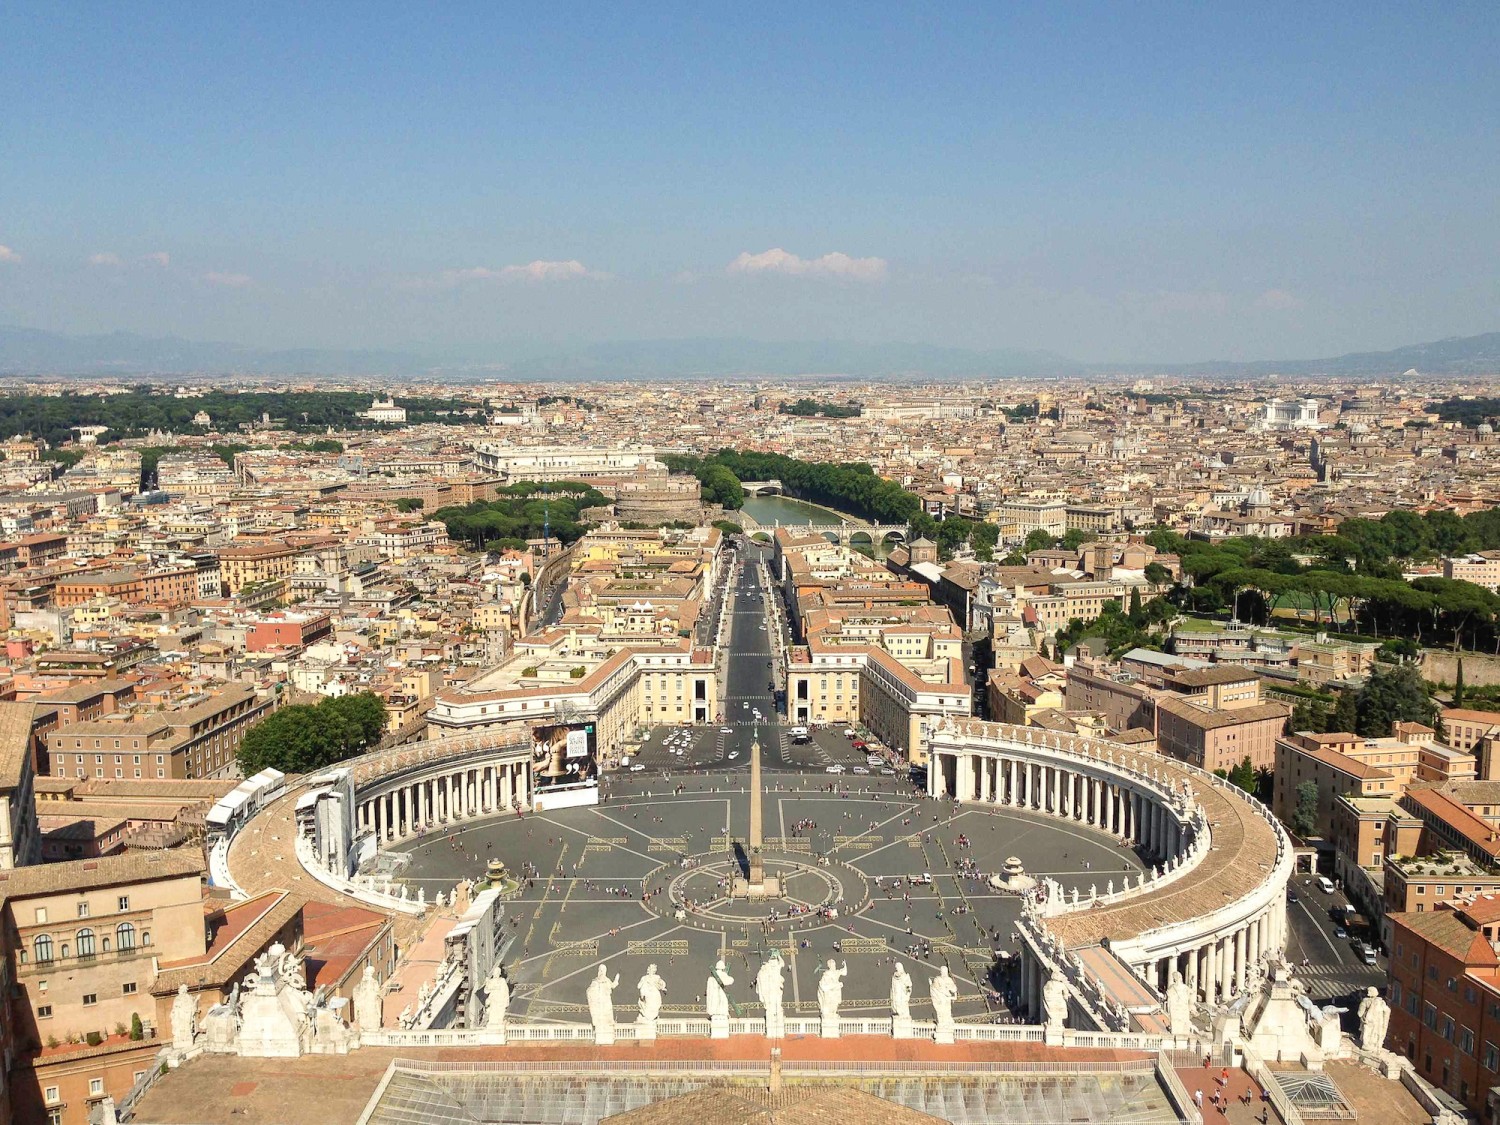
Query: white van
(1325, 884)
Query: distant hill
(658, 359)
(28, 351)
(1457, 355)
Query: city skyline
(1163, 186)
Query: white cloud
(1278, 299)
(836, 264)
(158, 258)
(104, 258)
(227, 280)
(572, 270)
(8, 255)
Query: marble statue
(1179, 1006)
(1055, 1002)
(901, 992)
(1374, 1018)
(601, 1002)
(716, 992)
(1329, 1030)
(184, 1019)
(831, 989)
(367, 1002)
(943, 990)
(650, 987)
(769, 985)
(496, 999)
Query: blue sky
(1125, 181)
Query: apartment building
(196, 739)
(1481, 568)
(1466, 728)
(1342, 764)
(247, 565)
(1445, 998)
(81, 941)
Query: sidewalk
(1198, 1078)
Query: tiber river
(769, 509)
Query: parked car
(835, 768)
(861, 769)
(861, 744)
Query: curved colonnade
(1215, 899)
(434, 784)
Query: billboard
(564, 754)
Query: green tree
(1305, 816)
(1038, 540)
(1243, 775)
(1392, 694)
(1345, 715)
(1458, 684)
(720, 486)
(1156, 574)
(303, 737)
(1134, 612)
(410, 504)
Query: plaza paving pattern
(585, 905)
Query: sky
(1114, 182)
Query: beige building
(1350, 765)
(248, 565)
(1481, 568)
(81, 942)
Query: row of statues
(770, 986)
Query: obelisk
(756, 885)
(757, 865)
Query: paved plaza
(641, 878)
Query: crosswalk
(1324, 982)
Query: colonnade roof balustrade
(370, 769)
(1245, 844)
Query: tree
(137, 1029)
(1156, 574)
(1243, 775)
(720, 486)
(1345, 715)
(1075, 537)
(1038, 540)
(1458, 684)
(1134, 612)
(1305, 817)
(1392, 694)
(409, 503)
(303, 738)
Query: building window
(123, 903)
(128, 988)
(41, 915)
(85, 939)
(124, 936)
(44, 1012)
(42, 947)
(83, 910)
(51, 1095)
(90, 999)
(96, 1087)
